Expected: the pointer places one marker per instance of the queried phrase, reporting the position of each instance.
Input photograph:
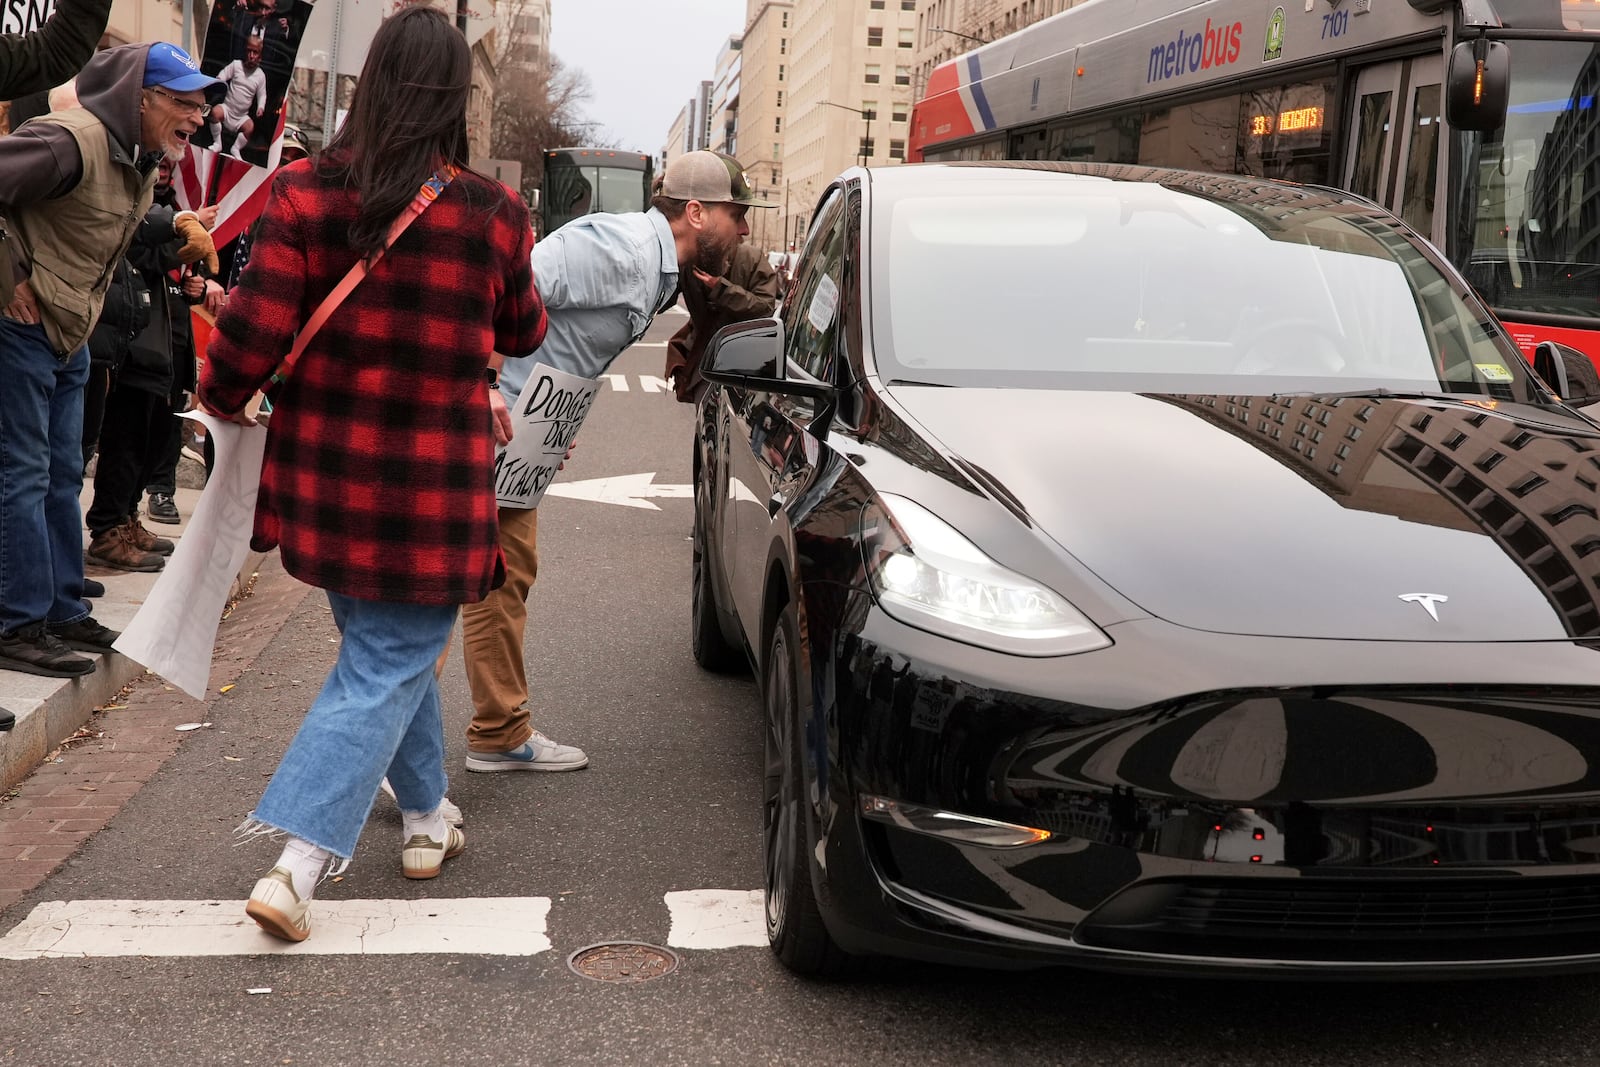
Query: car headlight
(926, 574)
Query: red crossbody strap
(426, 195)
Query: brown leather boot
(146, 540)
(114, 549)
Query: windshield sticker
(1494, 372)
(824, 302)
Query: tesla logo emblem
(1429, 601)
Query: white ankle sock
(305, 863)
(238, 144)
(423, 822)
(216, 135)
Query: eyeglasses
(198, 109)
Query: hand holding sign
(546, 419)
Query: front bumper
(1394, 828)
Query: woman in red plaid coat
(378, 481)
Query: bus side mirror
(1478, 87)
(1569, 373)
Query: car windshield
(1221, 285)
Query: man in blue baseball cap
(75, 185)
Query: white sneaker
(451, 813)
(422, 856)
(538, 753)
(276, 908)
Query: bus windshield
(571, 190)
(1527, 225)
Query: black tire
(711, 648)
(795, 930)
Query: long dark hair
(408, 115)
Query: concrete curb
(50, 710)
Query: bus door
(1395, 140)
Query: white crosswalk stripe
(716, 918)
(73, 929)
(699, 919)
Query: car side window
(811, 312)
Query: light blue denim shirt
(602, 277)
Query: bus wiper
(928, 385)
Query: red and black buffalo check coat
(379, 473)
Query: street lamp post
(958, 33)
(866, 142)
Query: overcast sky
(644, 58)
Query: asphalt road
(670, 803)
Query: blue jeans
(41, 475)
(378, 715)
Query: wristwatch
(491, 375)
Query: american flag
(239, 190)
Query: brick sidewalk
(83, 784)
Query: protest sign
(24, 16)
(250, 45)
(176, 628)
(545, 420)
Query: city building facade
(677, 137)
(849, 95)
(522, 31)
(768, 33)
(724, 136)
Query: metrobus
(1349, 93)
(578, 181)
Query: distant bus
(1349, 94)
(578, 181)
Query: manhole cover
(623, 961)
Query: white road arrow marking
(628, 490)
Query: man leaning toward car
(62, 176)
(603, 278)
(747, 290)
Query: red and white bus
(1348, 93)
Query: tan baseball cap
(711, 178)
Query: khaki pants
(492, 632)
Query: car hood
(1303, 517)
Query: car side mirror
(1478, 85)
(1568, 372)
(749, 355)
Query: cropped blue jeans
(41, 475)
(377, 716)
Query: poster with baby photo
(250, 45)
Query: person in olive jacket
(748, 289)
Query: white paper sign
(24, 16)
(824, 302)
(176, 629)
(545, 419)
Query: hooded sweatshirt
(57, 214)
(41, 161)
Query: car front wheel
(711, 649)
(795, 929)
